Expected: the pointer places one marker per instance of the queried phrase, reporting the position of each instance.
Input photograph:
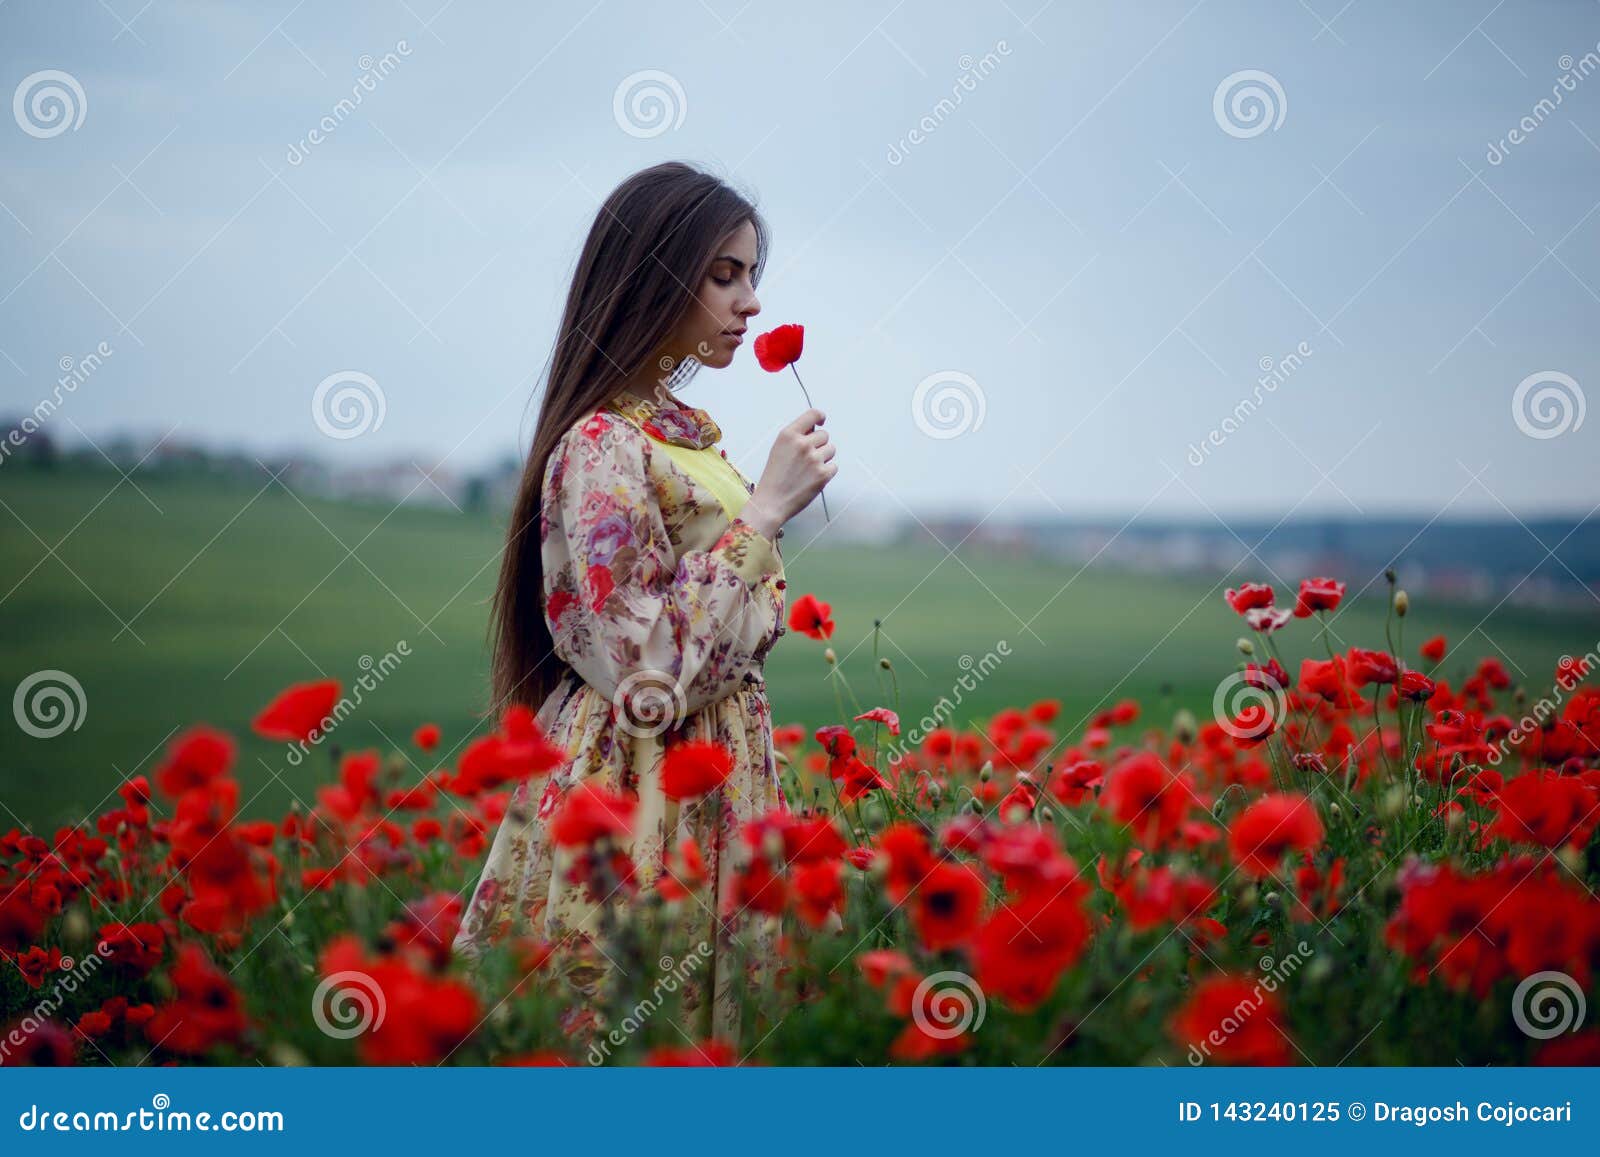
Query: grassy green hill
(187, 599)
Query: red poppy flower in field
(817, 891)
(694, 768)
(938, 1017)
(812, 617)
(1318, 594)
(759, 889)
(856, 778)
(1249, 597)
(1416, 687)
(1270, 828)
(426, 736)
(520, 750)
(706, 1054)
(949, 902)
(194, 759)
(1023, 948)
(1367, 667)
(44, 1044)
(1234, 1021)
(909, 858)
(1072, 785)
(1433, 650)
(811, 838)
(205, 1010)
(1326, 677)
(298, 712)
(881, 965)
(1142, 794)
(410, 1017)
(589, 813)
(135, 947)
(777, 348)
(1546, 809)
(884, 716)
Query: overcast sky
(1056, 212)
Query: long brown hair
(648, 249)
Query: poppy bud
(1388, 573)
(1271, 899)
(1520, 697)
(1247, 898)
(974, 806)
(1573, 859)
(1047, 814)
(1246, 647)
(772, 844)
(1402, 603)
(1320, 969)
(986, 772)
(286, 1056)
(884, 662)
(1184, 727)
(75, 927)
(829, 657)
(780, 759)
(1454, 819)
(1335, 810)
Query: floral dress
(663, 603)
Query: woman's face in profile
(714, 328)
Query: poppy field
(1371, 852)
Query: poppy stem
(806, 394)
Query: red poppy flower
(519, 751)
(1270, 828)
(909, 858)
(949, 902)
(1232, 1020)
(1318, 594)
(194, 759)
(426, 736)
(881, 965)
(777, 348)
(136, 947)
(817, 891)
(811, 616)
(694, 768)
(298, 712)
(1546, 809)
(589, 813)
(1072, 785)
(1249, 597)
(1417, 687)
(884, 716)
(1372, 667)
(1023, 948)
(205, 1010)
(1141, 793)
(1268, 619)
(706, 1054)
(415, 1018)
(1326, 677)
(1433, 650)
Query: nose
(751, 307)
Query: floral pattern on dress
(663, 610)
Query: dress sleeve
(624, 610)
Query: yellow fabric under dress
(663, 604)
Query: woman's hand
(800, 465)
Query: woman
(641, 586)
